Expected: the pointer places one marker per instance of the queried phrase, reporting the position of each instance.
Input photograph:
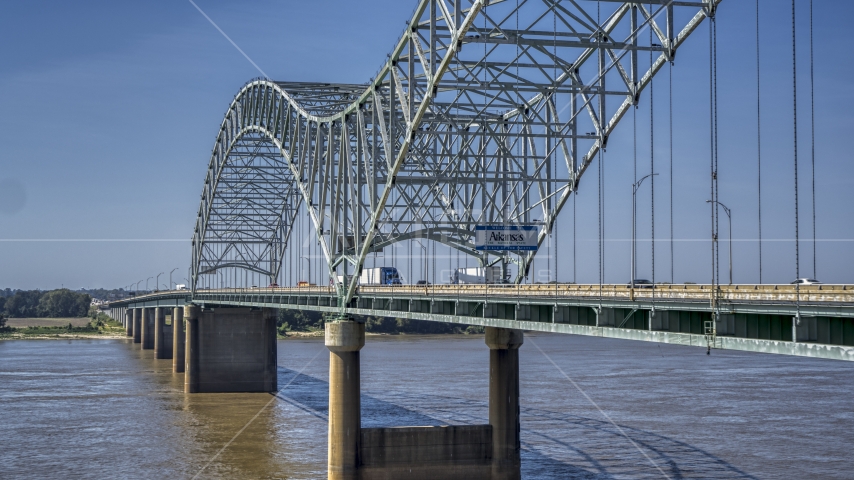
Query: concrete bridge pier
(344, 339)
(466, 452)
(191, 349)
(504, 346)
(230, 350)
(162, 335)
(137, 325)
(178, 354)
(129, 322)
(147, 324)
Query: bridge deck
(759, 316)
(775, 293)
(787, 293)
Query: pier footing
(230, 350)
(162, 335)
(426, 453)
(465, 452)
(137, 325)
(147, 324)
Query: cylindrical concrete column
(159, 326)
(504, 346)
(178, 340)
(147, 323)
(344, 339)
(129, 322)
(191, 353)
(137, 325)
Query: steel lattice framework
(485, 112)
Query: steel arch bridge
(485, 112)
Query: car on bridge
(640, 283)
(806, 281)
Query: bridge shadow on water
(554, 445)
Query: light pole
(729, 217)
(635, 187)
(424, 257)
(146, 283)
(137, 285)
(157, 281)
(170, 277)
(308, 262)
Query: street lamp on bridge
(308, 262)
(170, 277)
(729, 217)
(146, 283)
(157, 281)
(424, 257)
(635, 187)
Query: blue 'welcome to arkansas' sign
(506, 237)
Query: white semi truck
(477, 275)
(377, 276)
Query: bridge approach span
(757, 318)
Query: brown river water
(105, 409)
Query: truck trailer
(379, 276)
(477, 275)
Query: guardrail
(694, 292)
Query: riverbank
(60, 328)
(18, 334)
(295, 335)
(47, 322)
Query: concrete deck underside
(815, 350)
(407, 302)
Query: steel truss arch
(485, 112)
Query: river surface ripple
(105, 409)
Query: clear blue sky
(108, 111)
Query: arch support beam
(479, 116)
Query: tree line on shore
(67, 303)
(307, 321)
(37, 303)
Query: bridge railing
(694, 292)
(840, 294)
